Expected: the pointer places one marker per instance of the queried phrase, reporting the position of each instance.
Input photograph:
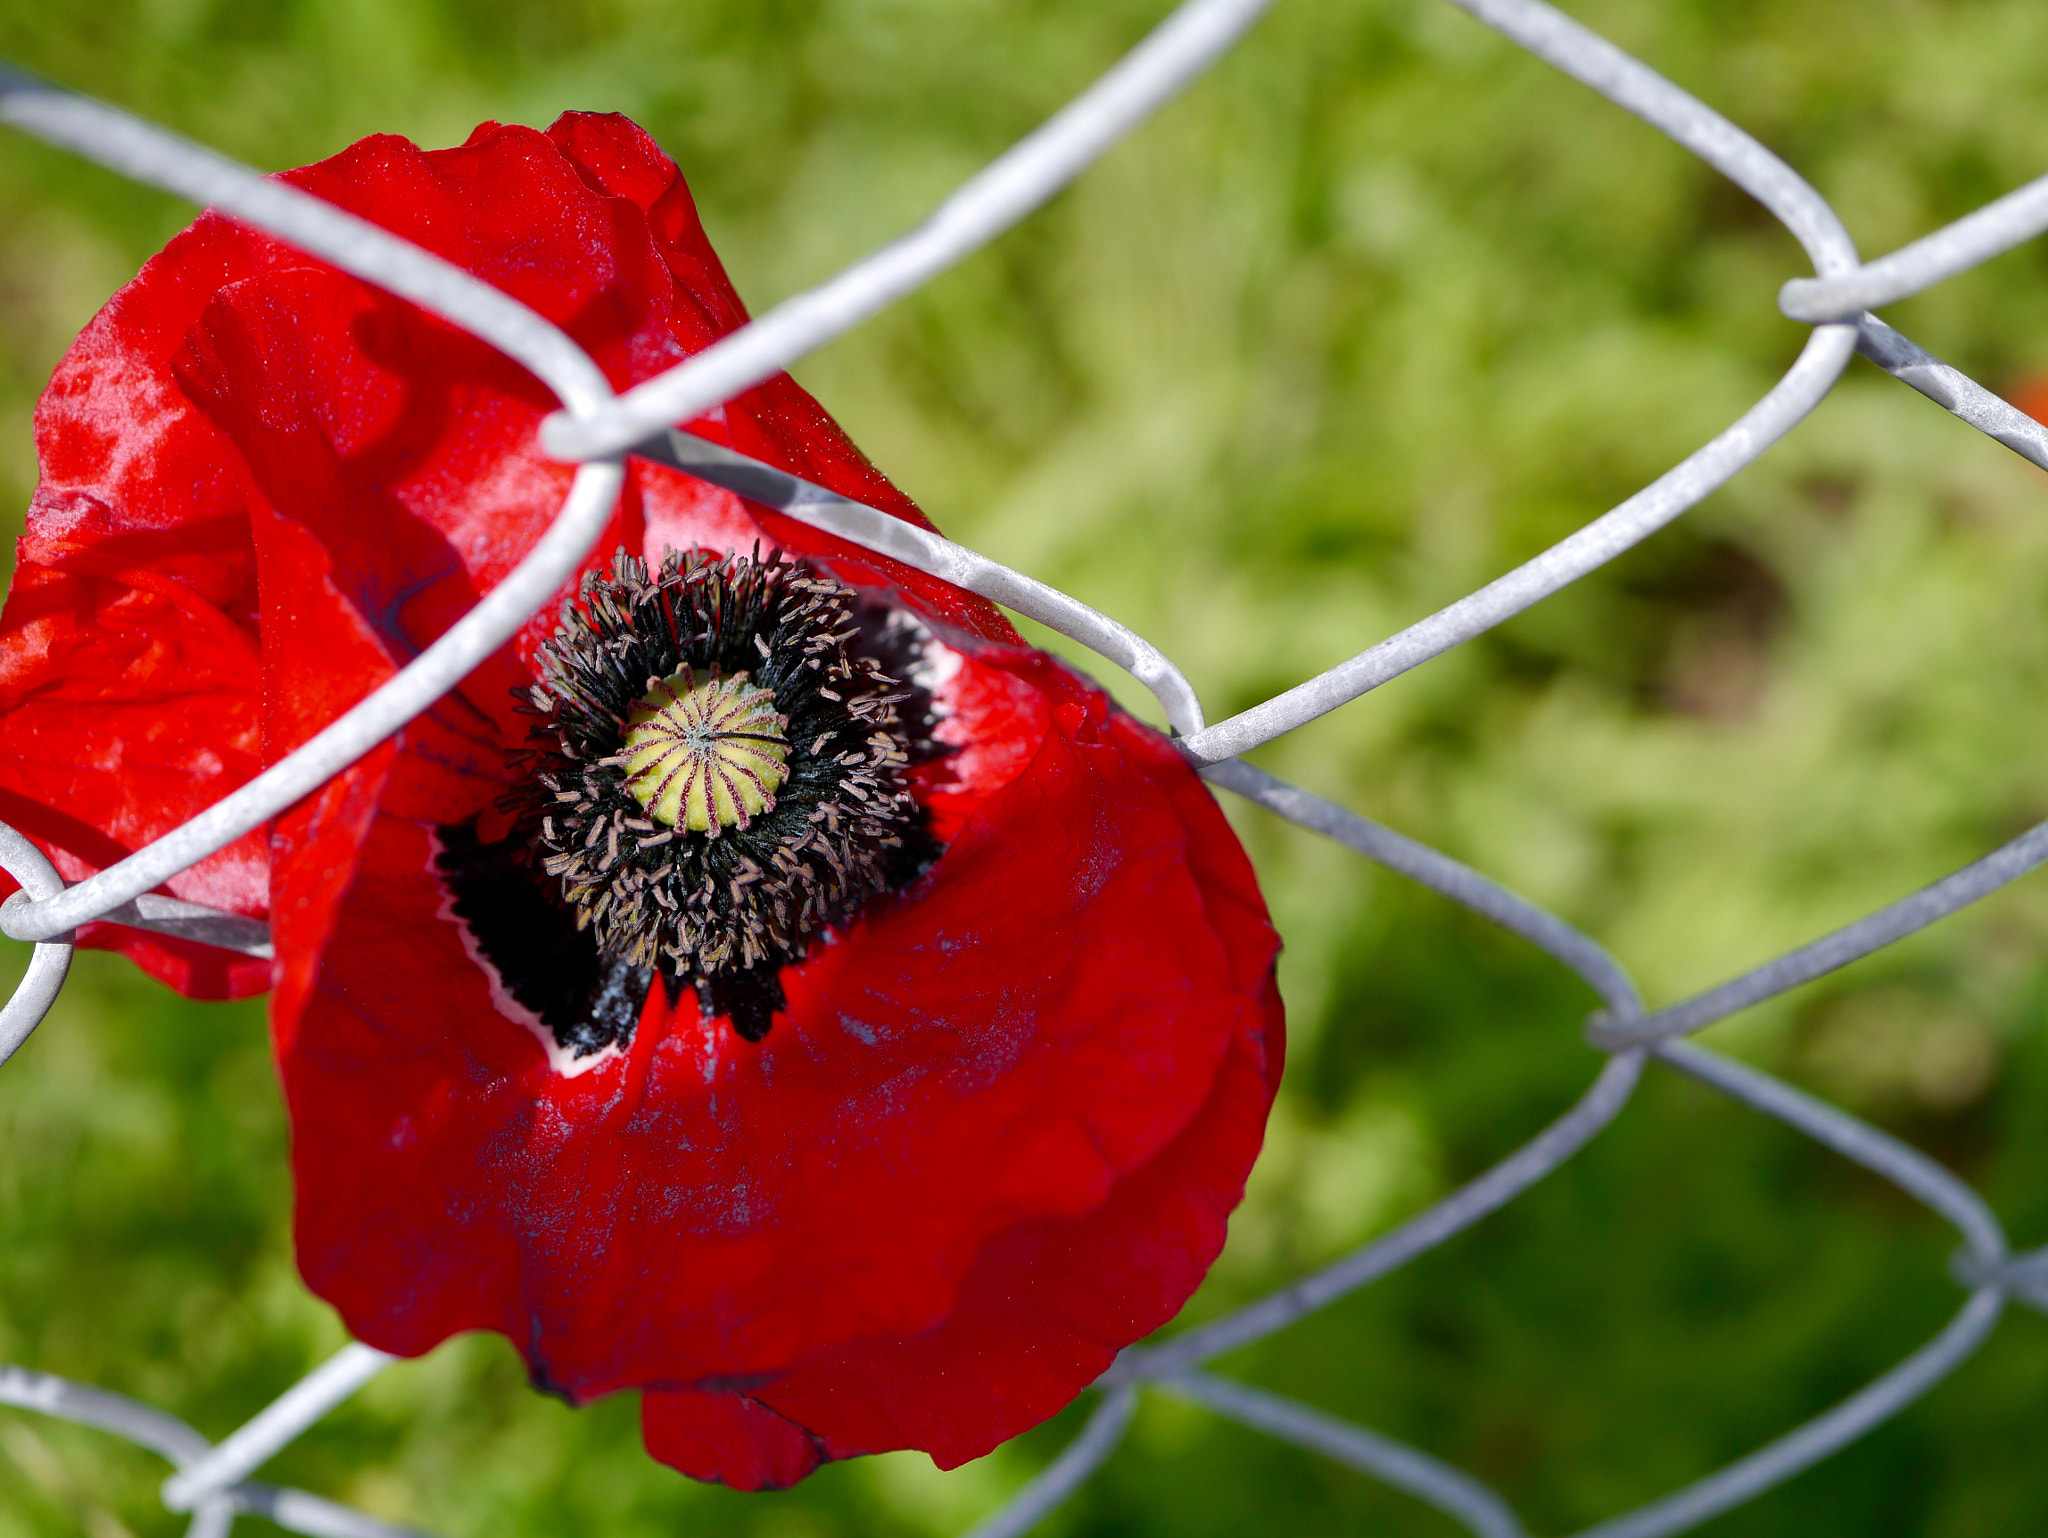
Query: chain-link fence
(595, 428)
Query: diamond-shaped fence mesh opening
(593, 428)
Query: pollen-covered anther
(705, 756)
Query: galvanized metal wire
(595, 428)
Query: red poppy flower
(904, 1061)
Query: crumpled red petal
(724, 1437)
(1046, 1305)
(1034, 1022)
(999, 1129)
(128, 646)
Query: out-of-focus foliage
(1378, 310)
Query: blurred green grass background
(1379, 309)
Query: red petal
(128, 650)
(776, 421)
(617, 157)
(725, 1438)
(1047, 1305)
(1035, 1021)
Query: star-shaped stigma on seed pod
(705, 757)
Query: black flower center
(714, 775)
